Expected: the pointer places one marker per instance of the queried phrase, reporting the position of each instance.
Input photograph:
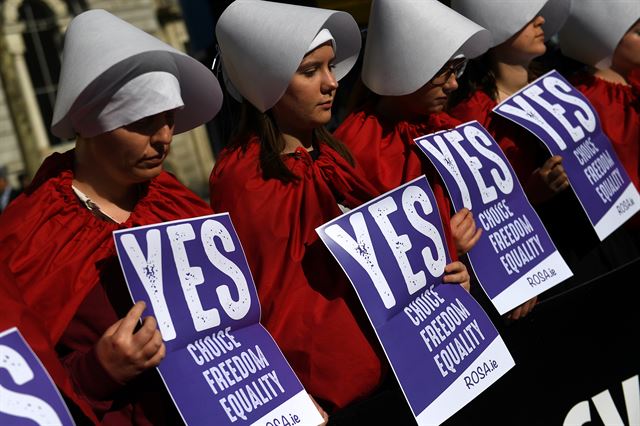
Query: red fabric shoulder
(56, 248)
(478, 107)
(307, 303)
(634, 80)
(58, 251)
(384, 151)
(389, 157)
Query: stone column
(22, 101)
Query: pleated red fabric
(66, 271)
(307, 302)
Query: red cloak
(307, 303)
(66, 271)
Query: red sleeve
(386, 157)
(77, 345)
(634, 81)
(477, 106)
(91, 379)
(308, 305)
(15, 313)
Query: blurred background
(31, 41)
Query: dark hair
(253, 122)
(478, 75)
(360, 96)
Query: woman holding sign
(405, 96)
(282, 176)
(606, 37)
(518, 35)
(122, 95)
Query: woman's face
(626, 57)
(307, 102)
(433, 96)
(134, 153)
(525, 45)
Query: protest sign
(27, 393)
(222, 366)
(441, 345)
(514, 259)
(564, 120)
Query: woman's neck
(297, 139)
(510, 77)
(115, 199)
(611, 75)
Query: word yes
(362, 250)
(18, 404)
(558, 89)
(149, 271)
(477, 139)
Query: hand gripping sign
(564, 120)
(514, 259)
(27, 393)
(222, 367)
(441, 345)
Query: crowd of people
(426, 67)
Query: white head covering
(505, 18)
(408, 41)
(322, 37)
(262, 43)
(114, 74)
(595, 27)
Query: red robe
(389, 157)
(16, 313)
(618, 106)
(65, 267)
(308, 305)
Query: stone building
(31, 39)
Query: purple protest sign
(222, 366)
(27, 393)
(564, 120)
(514, 259)
(441, 345)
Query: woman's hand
(325, 416)
(553, 174)
(456, 272)
(464, 231)
(125, 354)
(522, 310)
